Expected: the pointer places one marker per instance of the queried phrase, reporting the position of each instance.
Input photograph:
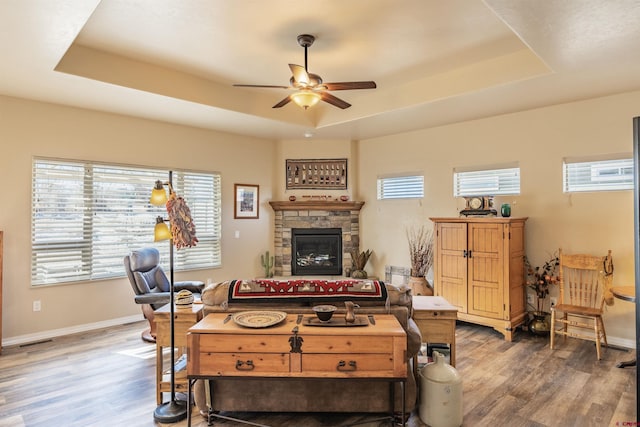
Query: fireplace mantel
(316, 205)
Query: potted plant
(421, 254)
(539, 279)
(358, 262)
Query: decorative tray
(336, 321)
(259, 319)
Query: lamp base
(171, 412)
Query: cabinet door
(486, 270)
(451, 263)
(516, 271)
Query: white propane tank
(440, 394)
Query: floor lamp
(174, 410)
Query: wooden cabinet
(479, 268)
(219, 348)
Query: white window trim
(495, 180)
(81, 231)
(580, 174)
(405, 186)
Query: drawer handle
(245, 366)
(342, 366)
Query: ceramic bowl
(324, 312)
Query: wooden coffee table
(220, 348)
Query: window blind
(597, 175)
(86, 217)
(487, 182)
(401, 187)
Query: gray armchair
(151, 285)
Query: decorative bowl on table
(324, 312)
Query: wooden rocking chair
(584, 284)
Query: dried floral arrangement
(420, 249)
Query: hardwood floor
(107, 378)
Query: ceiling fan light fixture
(306, 98)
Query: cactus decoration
(267, 263)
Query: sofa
(247, 395)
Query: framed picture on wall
(316, 173)
(246, 201)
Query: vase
(359, 274)
(419, 286)
(505, 210)
(539, 325)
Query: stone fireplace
(341, 216)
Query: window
(401, 187)
(86, 217)
(486, 182)
(601, 174)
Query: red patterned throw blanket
(313, 290)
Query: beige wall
(31, 129)
(538, 140)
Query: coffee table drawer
(221, 343)
(346, 344)
(239, 364)
(348, 363)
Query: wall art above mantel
(316, 173)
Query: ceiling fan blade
(300, 75)
(350, 85)
(265, 86)
(327, 97)
(283, 102)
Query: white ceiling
(435, 62)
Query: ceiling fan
(309, 87)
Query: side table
(183, 320)
(436, 319)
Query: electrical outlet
(530, 299)
(37, 306)
(553, 301)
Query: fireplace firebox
(316, 251)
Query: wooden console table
(219, 348)
(183, 320)
(436, 319)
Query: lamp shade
(161, 230)
(158, 195)
(306, 98)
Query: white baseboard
(45, 335)
(622, 342)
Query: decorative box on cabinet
(479, 268)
